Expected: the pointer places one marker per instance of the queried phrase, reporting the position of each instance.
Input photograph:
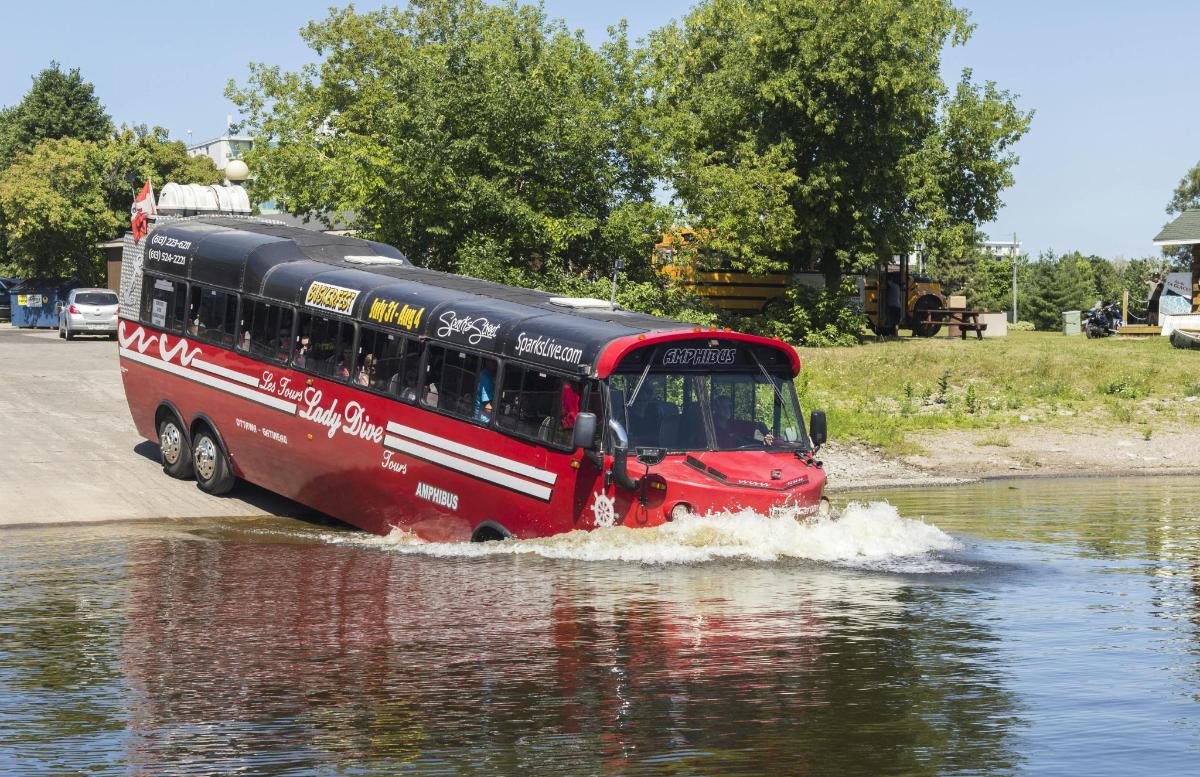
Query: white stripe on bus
(465, 450)
(223, 385)
(224, 372)
(467, 467)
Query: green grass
(882, 393)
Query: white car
(88, 312)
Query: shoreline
(958, 457)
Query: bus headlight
(680, 510)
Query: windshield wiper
(641, 380)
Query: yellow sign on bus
(326, 296)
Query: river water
(1030, 627)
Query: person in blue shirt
(484, 392)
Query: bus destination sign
(326, 296)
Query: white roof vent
(373, 260)
(583, 303)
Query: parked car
(6, 284)
(88, 311)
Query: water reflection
(285, 655)
(1062, 638)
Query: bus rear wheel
(214, 475)
(173, 449)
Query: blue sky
(1115, 127)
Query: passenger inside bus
(484, 393)
(735, 432)
(366, 373)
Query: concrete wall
(997, 324)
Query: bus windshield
(726, 411)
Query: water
(1028, 627)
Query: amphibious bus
(331, 370)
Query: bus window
(381, 361)
(212, 315)
(460, 383)
(266, 330)
(538, 405)
(164, 303)
(323, 346)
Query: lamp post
(1014, 280)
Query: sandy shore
(951, 457)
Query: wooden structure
(962, 320)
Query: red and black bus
(331, 370)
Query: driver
(736, 432)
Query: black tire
(214, 475)
(927, 302)
(70, 335)
(173, 449)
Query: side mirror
(816, 428)
(584, 435)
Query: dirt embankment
(957, 456)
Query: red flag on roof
(143, 208)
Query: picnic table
(965, 319)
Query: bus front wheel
(173, 449)
(214, 475)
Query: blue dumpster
(35, 301)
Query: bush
(1022, 326)
(818, 318)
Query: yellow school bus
(710, 275)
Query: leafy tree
(475, 137)
(842, 107)
(989, 285)
(140, 153)
(55, 210)
(58, 105)
(818, 134)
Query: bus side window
(164, 303)
(460, 383)
(213, 315)
(538, 405)
(323, 346)
(267, 330)
(379, 362)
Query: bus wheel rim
(170, 441)
(206, 458)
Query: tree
(472, 136)
(140, 153)
(55, 210)
(58, 105)
(835, 117)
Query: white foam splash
(867, 536)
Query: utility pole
(1014, 263)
